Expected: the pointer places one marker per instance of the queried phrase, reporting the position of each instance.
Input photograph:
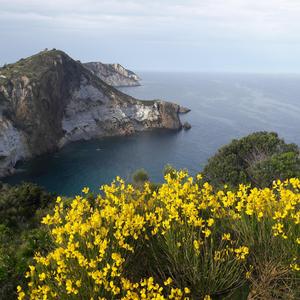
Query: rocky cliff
(113, 74)
(48, 100)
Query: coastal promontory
(48, 100)
(113, 74)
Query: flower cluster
(184, 232)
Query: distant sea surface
(223, 107)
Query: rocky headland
(113, 74)
(48, 100)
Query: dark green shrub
(21, 210)
(18, 204)
(140, 176)
(258, 158)
(169, 169)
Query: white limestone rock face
(81, 112)
(146, 113)
(125, 72)
(85, 118)
(113, 74)
(12, 147)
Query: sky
(158, 35)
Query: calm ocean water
(224, 106)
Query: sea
(224, 106)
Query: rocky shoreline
(49, 100)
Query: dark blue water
(224, 106)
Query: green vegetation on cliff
(33, 66)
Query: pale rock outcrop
(113, 74)
(12, 147)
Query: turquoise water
(224, 106)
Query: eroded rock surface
(113, 74)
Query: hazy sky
(189, 35)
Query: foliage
(18, 204)
(33, 67)
(258, 158)
(140, 176)
(183, 241)
(169, 169)
(21, 209)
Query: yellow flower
(199, 176)
(241, 252)
(210, 222)
(69, 287)
(226, 237)
(42, 276)
(47, 220)
(207, 232)
(78, 283)
(21, 294)
(85, 190)
(295, 267)
(168, 281)
(196, 245)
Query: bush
(140, 176)
(183, 241)
(169, 169)
(16, 253)
(258, 158)
(21, 210)
(18, 204)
